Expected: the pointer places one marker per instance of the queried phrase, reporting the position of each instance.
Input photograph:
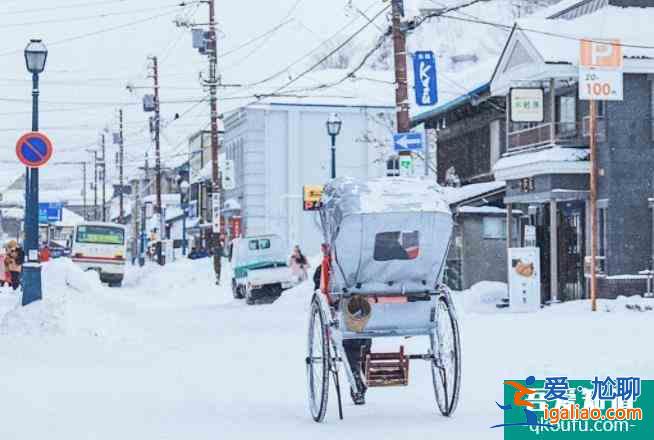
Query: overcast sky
(89, 64)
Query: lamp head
(334, 124)
(36, 55)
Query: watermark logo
(602, 407)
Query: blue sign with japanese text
(50, 212)
(424, 72)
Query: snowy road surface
(171, 356)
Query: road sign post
(33, 150)
(600, 78)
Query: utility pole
(95, 183)
(86, 214)
(121, 158)
(213, 102)
(401, 77)
(103, 164)
(157, 126)
(403, 121)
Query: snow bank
(483, 297)
(72, 305)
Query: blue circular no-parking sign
(34, 149)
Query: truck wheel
(236, 290)
(248, 298)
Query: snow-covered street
(172, 356)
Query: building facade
(276, 149)
(546, 165)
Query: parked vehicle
(260, 268)
(101, 247)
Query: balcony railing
(564, 134)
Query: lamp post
(334, 124)
(183, 195)
(36, 55)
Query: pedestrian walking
(14, 263)
(299, 264)
(4, 277)
(44, 253)
(218, 252)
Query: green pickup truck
(260, 268)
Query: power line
(257, 38)
(84, 18)
(308, 54)
(69, 6)
(537, 31)
(332, 52)
(94, 33)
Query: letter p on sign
(601, 54)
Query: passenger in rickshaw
(355, 350)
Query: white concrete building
(278, 147)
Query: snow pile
(634, 303)
(483, 297)
(72, 305)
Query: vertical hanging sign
(215, 212)
(424, 73)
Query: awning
(231, 205)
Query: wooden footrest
(387, 369)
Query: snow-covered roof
(557, 41)
(457, 195)
(204, 174)
(13, 213)
(353, 196)
(547, 161)
(485, 210)
(68, 219)
(471, 83)
(557, 8)
(167, 199)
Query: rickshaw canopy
(387, 235)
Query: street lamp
(334, 124)
(183, 194)
(36, 55)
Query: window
(397, 245)
(259, 245)
(567, 114)
(393, 167)
(602, 231)
(494, 228)
(100, 235)
(495, 142)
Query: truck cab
(260, 268)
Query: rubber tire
(248, 299)
(318, 408)
(448, 405)
(236, 290)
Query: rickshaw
(385, 245)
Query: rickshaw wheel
(446, 365)
(318, 363)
